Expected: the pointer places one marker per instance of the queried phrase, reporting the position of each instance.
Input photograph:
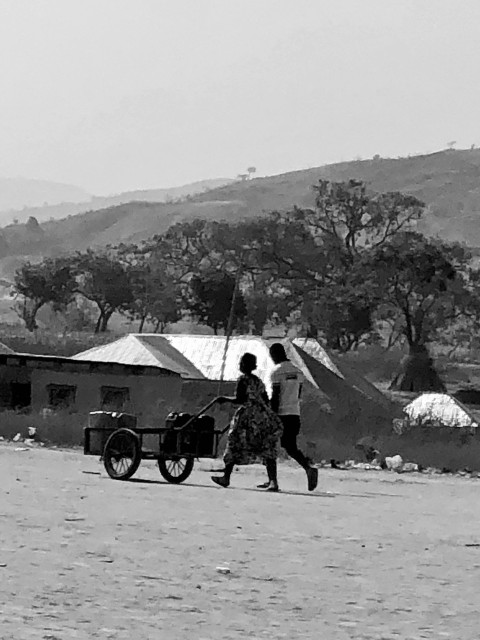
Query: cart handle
(222, 431)
(193, 418)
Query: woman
(255, 429)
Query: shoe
(223, 482)
(264, 485)
(272, 488)
(312, 477)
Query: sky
(114, 95)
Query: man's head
(277, 353)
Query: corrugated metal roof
(36, 360)
(163, 351)
(439, 409)
(207, 352)
(314, 349)
(201, 356)
(138, 350)
(4, 349)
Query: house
(338, 403)
(35, 382)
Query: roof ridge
(187, 366)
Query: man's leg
(291, 429)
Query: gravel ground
(368, 555)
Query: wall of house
(152, 397)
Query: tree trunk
(142, 324)
(160, 326)
(106, 317)
(29, 316)
(99, 322)
(30, 322)
(418, 372)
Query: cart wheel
(175, 470)
(122, 454)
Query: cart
(122, 445)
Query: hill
(64, 208)
(19, 193)
(448, 182)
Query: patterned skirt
(253, 436)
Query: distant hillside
(17, 193)
(68, 206)
(448, 182)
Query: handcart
(122, 445)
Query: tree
(211, 297)
(48, 282)
(155, 294)
(319, 257)
(101, 278)
(356, 220)
(423, 284)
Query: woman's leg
(224, 480)
(271, 465)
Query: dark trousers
(291, 429)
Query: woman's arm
(240, 394)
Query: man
(287, 383)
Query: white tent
(439, 410)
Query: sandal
(223, 482)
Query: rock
(410, 467)
(17, 438)
(394, 463)
(222, 569)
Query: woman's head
(248, 363)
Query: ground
(368, 555)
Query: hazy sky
(122, 94)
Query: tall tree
(424, 284)
(211, 297)
(102, 279)
(155, 293)
(48, 282)
(321, 256)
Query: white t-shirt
(290, 379)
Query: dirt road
(369, 555)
